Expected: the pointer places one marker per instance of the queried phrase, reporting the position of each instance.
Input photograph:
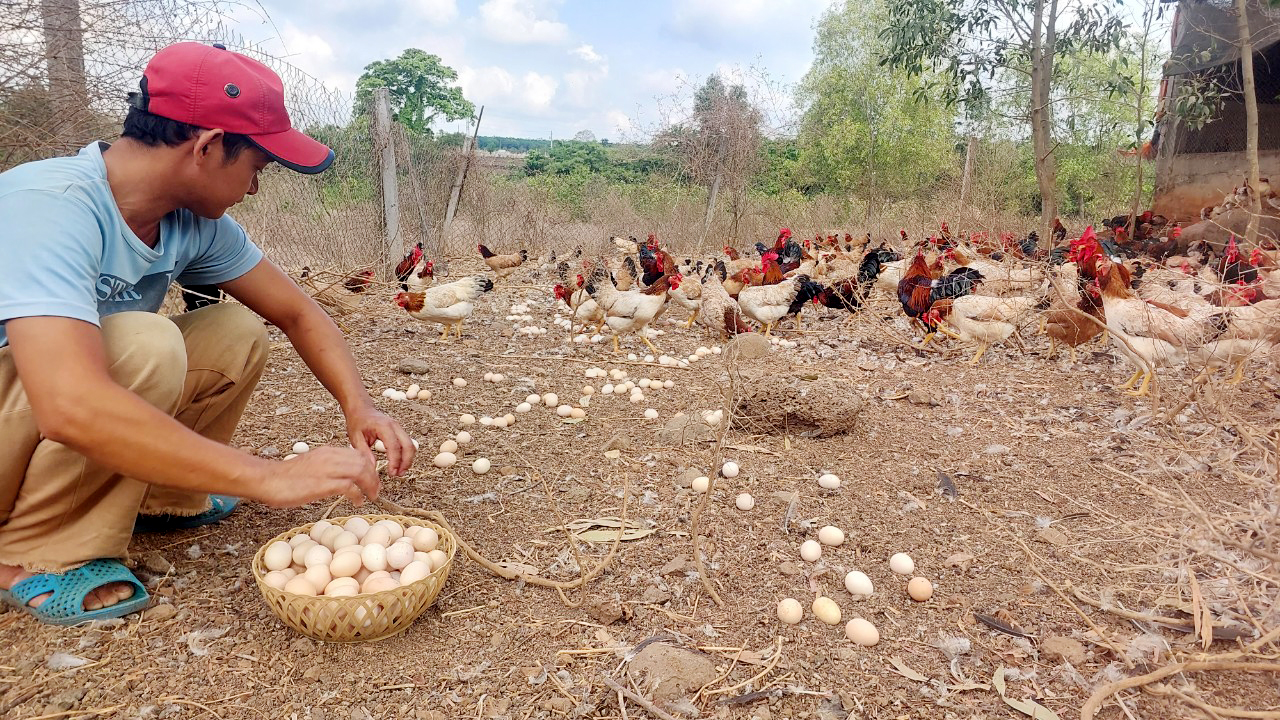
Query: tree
(421, 90)
(719, 145)
(974, 42)
(585, 136)
(864, 133)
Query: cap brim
(296, 151)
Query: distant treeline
(490, 143)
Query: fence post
(382, 143)
(455, 193)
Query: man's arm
(112, 426)
(270, 293)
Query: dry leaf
(905, 671)
(1030, 708)
(1053, 536)
(585, 530)
(960, 560)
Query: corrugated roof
(1205, 34)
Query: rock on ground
(670, 673)
(788, 402)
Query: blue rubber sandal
(66, 606)
(222, 506)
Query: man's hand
(321, 473)
(367, 424)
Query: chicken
(997, 277)
(919, 290)
(983, 319)
(1227, 352)
(650, 261)
(1234, 268)
(359, 281)
(627, 277)
(1151, 334)
(720, 313)
(768, 304)
(503, 265)
(447, 304)
(584, 309)
(1075, 315)
(423, 278)
(632, 311)
(406, 265)
(688, 295)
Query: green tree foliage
(971, 45)
(865, 132)
(516, 145)
(421, 90)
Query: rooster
(651, 262)
(503, 265)
(720, 313)
(447, 304)
(406, 265)
(1234, 269)
(632, 311)
(423, 278)
(1149, 334)
(583, 308)
(1075, 317)
(919, 290)
(769, 303)
(359, 281)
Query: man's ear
(205, 143)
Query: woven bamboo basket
(357, 618)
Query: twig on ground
(648, 706)
(1091, 706)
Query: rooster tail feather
(484, 283)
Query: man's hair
(153, 130)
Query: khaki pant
(58, 509)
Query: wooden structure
(1196, 167)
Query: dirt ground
(1043, 455)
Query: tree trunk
(1142, 92)
(64, 59)
(715, 188)
(1043, 40)
(1250, 121)
(966, 181)
(389, 183)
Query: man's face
(224, 183)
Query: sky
(550, 67)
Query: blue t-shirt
(65, 250)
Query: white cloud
(588, 53)
(437, 12)
(314, 55)
(522, 22)
(539, 90)
(620, 121)
(532, 92)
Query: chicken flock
(1216, 309)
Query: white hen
(447, 304)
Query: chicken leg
(445, 335)
(949, 333)
(692, 318)
(615, 344)
(458, 329)
(1145, 388)
(1239, 376)
(645, 340)
(982, 349)
(1133, 379)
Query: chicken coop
(1197, 164)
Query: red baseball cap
(210, 86)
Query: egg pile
(783, 342)
(353, 558)
(413, 392)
